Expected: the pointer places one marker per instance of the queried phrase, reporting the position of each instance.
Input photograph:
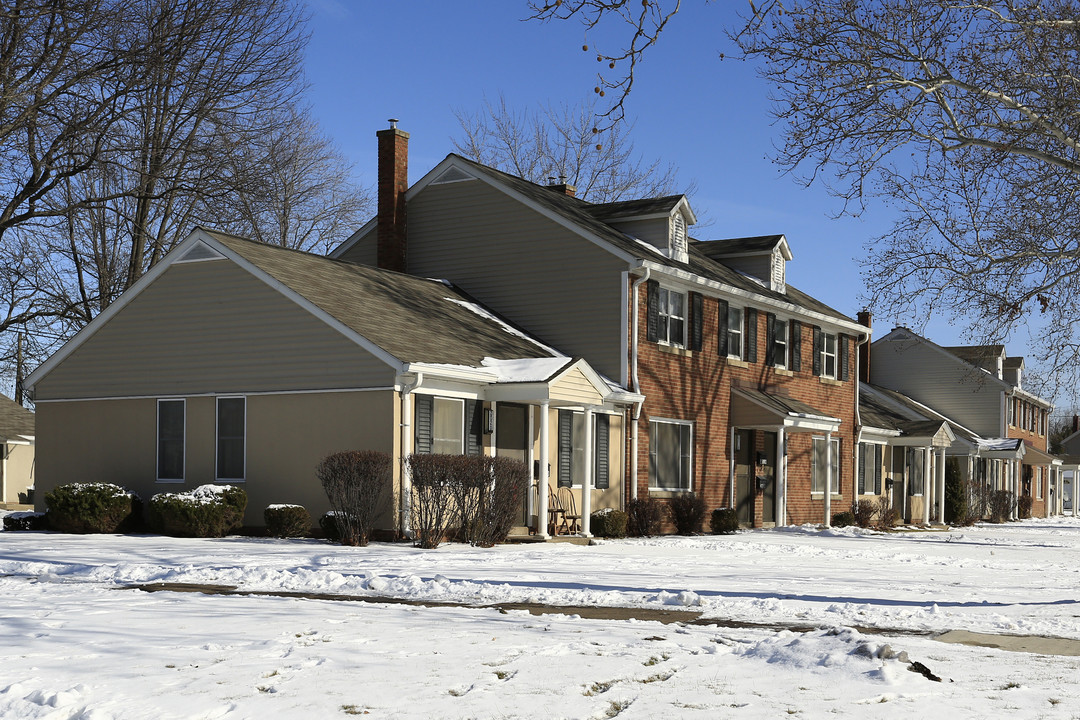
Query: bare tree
(560, 144)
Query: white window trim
(461, 424)
(1038, 483)
(690, 470)
(869, 481)
(782, 359)
(825, 354)
(217, 440)
(157, 443)
(737, 329)
(663, 311)
(836, 455)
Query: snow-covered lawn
(76, 645)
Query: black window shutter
(877, 469)
(600, 473)
(474, 432)
(722, 328)
(770, 339)
(842, 341)
(652, 311)
(862, 468)
(424, 406)
(697, 307)
(751, 335)
(795, 341)
(566, 448)
(819, 345)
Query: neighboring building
(748, 384)
(979, 389)
(17, 446)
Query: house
(748, 385)
(1002, 438)
(617, 355)
(17, 446)
(1070, 446)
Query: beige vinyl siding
(18, 471)
(964, 394)
(364, 250)
(575, 387)
(286, 436)
(211, 327)
(558, 286)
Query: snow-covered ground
(74, 644)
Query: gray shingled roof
(414, 319)
(896, 411)
(15, 420)
(580, 212)
(782, 405)
(633, 208)
(717, 249)
(977, 354)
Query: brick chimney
(1076, 423)
(392, 184)
(563, 189)
(864, 318)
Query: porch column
(587, 481)
(941, 486)
(828, 479)
(1017, 479)
(542, 481)
(1075, 482)
(927, 482)
(781, 478)
(1049, 491)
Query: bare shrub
(864, 512)
(500, 499)
(356, 484)
(1023, 506)
(1001, 505)
(433, 478)
(643, 517)
(888, 516)
(687, 512)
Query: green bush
(608, 523)
(92, 508)
(724, 521)
(642, 517)
(843, 519)
(24, 521)
(357, 484)
(1023, 506)
(329, 526)
(687, 511)
(287, 521)
(206, 511)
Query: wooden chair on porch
(571, 517)
(556, 515)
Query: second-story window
(672, 317)
(828, 355)
(777, 339)
(735, 332)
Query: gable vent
(452, 175)
(201, 251)
(678, 238)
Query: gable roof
(891, 410)
(15, 420)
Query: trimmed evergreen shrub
(287, 521)
(1023, 506)
(206, 511)
(358, 485)
(608, 523)
(25, 520)
(643, 517)
(724, 521)
(93, 508)
(843, 519)
(687, 511)
(328, 525)
(961, 505)
(1001, 504)
(863, 511)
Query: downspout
(405, 509)
(636, 385)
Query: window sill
(168, 481)
(230, 481)
(783, 371)
(657, 493)
(830, 381)
(820, 495)
(736, 362)
(675, 350)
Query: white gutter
(636, 385)
(405, 510)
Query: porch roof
(752, 408)
(1035, 456)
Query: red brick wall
(697, 387)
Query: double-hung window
(170, 440)
(735, 332)
(916, 470)
(231, 440)
(828, 354)
(670, 455)
(572, 459)
(821, 464)
(780, 343)
(870, 457)
(447, 426)
(671, 317)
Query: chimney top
(562, 188)
(393, 123)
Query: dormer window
(678, 250)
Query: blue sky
(419, 60)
